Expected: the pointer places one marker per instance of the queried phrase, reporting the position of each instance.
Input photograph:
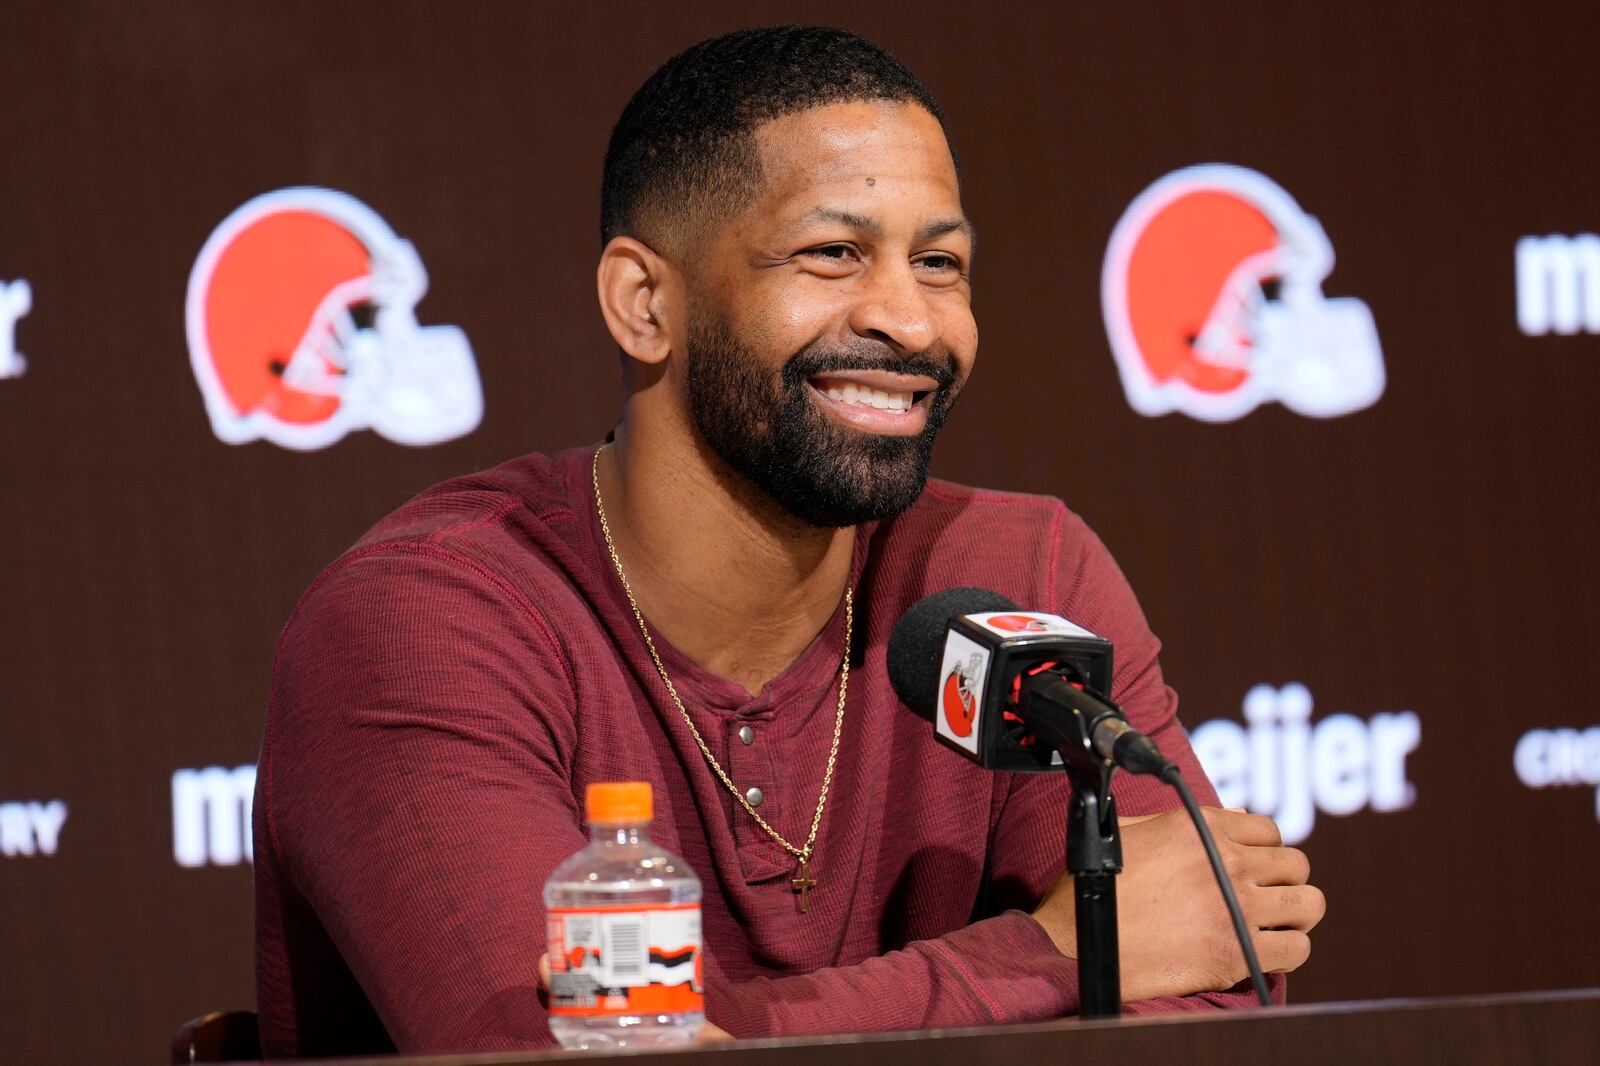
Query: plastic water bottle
(624, 933)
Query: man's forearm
(1001, 969)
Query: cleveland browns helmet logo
(1018, 623)
(302, 328)
(1212, 291)
(958, 701)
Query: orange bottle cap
(620, 801)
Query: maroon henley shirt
(446, 690)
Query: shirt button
(747, 735)
(754, 797)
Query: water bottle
(624, 933)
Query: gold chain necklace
(803, 883)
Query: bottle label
(625, 960)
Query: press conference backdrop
(1297, 304)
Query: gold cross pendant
(803, 884)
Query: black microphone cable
(1171, 776)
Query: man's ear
(639, 297)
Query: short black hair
(685, 141)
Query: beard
(777, 437)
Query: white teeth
(862, 396)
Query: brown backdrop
(1431, 553)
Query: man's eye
(940, 263)
(838, 253)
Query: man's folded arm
(416, 799)
(1001, 969)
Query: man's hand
(709, 1034)
(1173, 928)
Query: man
(787, 272)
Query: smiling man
(703, 604)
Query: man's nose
(894, 308)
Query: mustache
(811, 362)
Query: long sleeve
(416, 799)
(1001, 969)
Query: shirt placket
(749, 739)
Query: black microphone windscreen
(916, 647)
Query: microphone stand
(1094, 858)
(1094, 845)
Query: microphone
(995, 680)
